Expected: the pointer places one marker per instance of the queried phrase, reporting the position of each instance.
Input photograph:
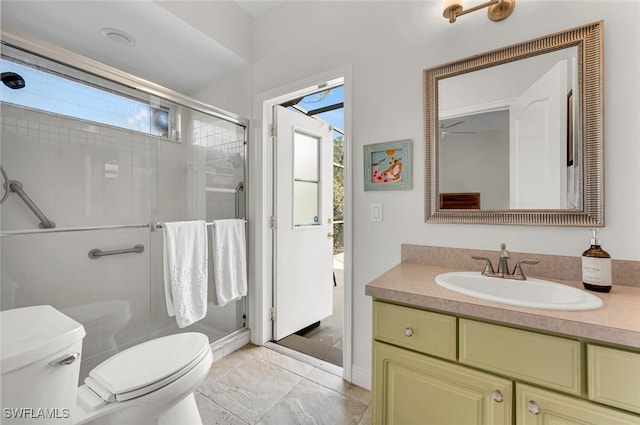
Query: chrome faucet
(503, 266)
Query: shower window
(48, 92)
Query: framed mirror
(515, 135)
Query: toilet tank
(40, 362)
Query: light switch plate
(376, 213)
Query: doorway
(310, 275)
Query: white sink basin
(533, 293)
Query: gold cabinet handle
(408, 332)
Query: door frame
(262, 179)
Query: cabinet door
(414, 389)
(539, 407)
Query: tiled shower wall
(84, 175)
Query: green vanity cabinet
(535, 406)
(545, 360)
(614, 377)
(432, 368)
(421, 390)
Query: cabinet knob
(408, 332)
(533, 407)
(497, 396)
(330, 235)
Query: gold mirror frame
(589, 40)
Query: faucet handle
(488, 267)
(503, 251)
(518, 274)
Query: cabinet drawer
(419, 330)
(535, 406)
(614, 377)
(541, 359)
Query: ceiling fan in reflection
(445, 129)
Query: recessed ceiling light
(118, 36)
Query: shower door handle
(239, 188)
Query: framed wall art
(388, 166)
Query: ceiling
(167, 50)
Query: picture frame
(388, 165)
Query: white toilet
(150, 383)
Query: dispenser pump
(596, 266)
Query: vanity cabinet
(422, 390)
(435, 368)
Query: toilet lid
(148, 366)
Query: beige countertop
(618, 322)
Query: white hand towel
(229, 260)
(185, 270)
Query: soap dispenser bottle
(596, 266)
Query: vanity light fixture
(497, 9)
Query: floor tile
(255, 385)
(212, 414)
(338, 384)
(251, 390)
(285, 362)
(312, 404)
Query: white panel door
(537, 143)
(303, 252)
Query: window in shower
(49, 92)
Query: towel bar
(158, 225)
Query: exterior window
(53, 93)
(306, 177)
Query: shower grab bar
(45, 223)
(95, 253)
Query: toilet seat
(147, 367)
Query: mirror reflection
(515, 135)
(507, 136)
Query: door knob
(330, 235)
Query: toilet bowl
(150, 383)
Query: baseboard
(361, 377)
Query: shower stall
(93, 160)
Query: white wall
(388, 44)
(477, 162)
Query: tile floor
(256, 385)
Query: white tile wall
(81, 175)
